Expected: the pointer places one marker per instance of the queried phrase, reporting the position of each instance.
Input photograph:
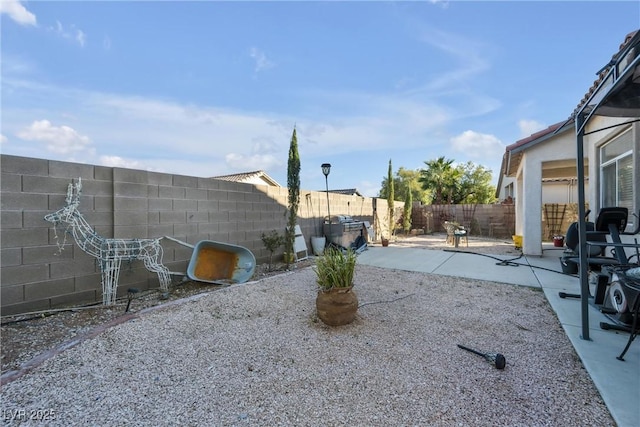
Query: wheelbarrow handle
(180, 242)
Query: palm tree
(439, 178)
(406, 179)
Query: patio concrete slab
(557, 280)
(416, 259)
(618, 382)
(473, 266)
(568, 310)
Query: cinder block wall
(125, 203)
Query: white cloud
(529, 127)
(208, 141)
(106, 43)
(16, 65)
(368, 189)
(17, 12)
(81, 38)
(59, 139)
(442, 3)
(3, 139)
(119, 162)
(467, 53)
(478, 145)
(252, 162)
(262, 62)
(72, 33)
(469, 60)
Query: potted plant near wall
(336, 302)
(317, 244)
(319, 241)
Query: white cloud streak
(133, 130)
(454, 85)
(464, 51)
(214, 140)
(444, 4)
(190, 139)
(261, 60)
(72, 33)
(17, 12)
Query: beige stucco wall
(531, 196)
(529, 201)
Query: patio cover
(616, 94)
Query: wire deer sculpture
(110, 252)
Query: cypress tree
(390, 198)
(406, 217)
(293, 186)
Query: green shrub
(272, 242)
(335, 269)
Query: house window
(616, 172)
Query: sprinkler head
(130, 294)
(500, 361)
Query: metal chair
(455, 232)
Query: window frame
(628, 155)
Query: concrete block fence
(125, 203)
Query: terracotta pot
(337, 306)
(385, 242)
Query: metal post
(582, 228)
(326, 169)
(326, 179)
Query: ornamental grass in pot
(336, 302)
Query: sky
(208, 88)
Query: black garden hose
(508, 262)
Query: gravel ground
(256, 355)
(30, 336)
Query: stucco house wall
(564, 192)
(529, 176)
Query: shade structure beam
(614, 83)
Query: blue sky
(212, 88)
